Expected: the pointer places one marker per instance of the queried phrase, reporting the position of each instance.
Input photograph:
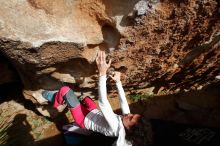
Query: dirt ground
(22, 125)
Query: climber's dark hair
(140, 133)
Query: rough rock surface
(172, 45)
(176, 46)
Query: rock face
(58, 40)
(7, 74)
(176, 45)
(170, 44)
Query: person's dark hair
(140, 134)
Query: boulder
(170, 44)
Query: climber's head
(136, 129)
(130, 120)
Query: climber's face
(131, 120)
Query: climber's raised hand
(101, 63)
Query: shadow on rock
(19, 132)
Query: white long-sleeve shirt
(105, 121)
